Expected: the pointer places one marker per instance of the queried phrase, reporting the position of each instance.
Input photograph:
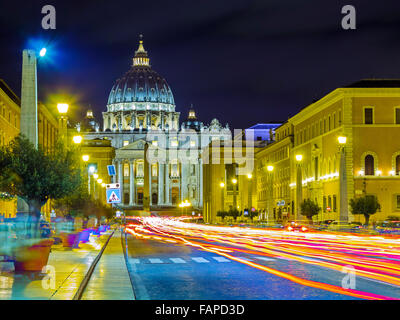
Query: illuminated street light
(270, 168)
(62, 108)
(42, 52)
(299, 157)
(95, 176)
(342, 140)
(91, 168)
(77, 139)
(378, 172)
(249, 176)
(85, 158)
(103, 185)
(222, 185)
(234, 181)
(100, 181)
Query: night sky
(243, 62)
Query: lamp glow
(249, 175)
(378, 172)
(85, 158)
(95, 176)
(222, 184)
(100, 181)
(299, 157)
(42, 52)
(234, 181)
(62, 108)
(270, 168)
(77, 139)
(91, 169)
(342, 140)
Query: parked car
(345, 227)
(388, 227)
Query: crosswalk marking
(177, 260)
(244, 258)
(155, 261)
(135, 261)
(200, 260)
(221, 259)
(264, 258)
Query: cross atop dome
(141, 59)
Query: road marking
(264, 258)
(155, 261)
(135, 261)
(177, 260)
(221, 259)
(200, 260)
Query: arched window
(369, 165)
(398, 165)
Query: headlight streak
(331, 251)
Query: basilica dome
(141, 88)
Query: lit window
(126, 143)
(154, 169)
(192, 143)
(174, 143)
(126, 170)
(155, 143)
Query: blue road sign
(113, 193)
(111, 170)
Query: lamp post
(249, 190)
(63, 109)
(344, 214)
(299, 185)
(270, 169)
(222, 186)
(234, 182)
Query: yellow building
(10, 115)
(367, 114)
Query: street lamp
(100, 181)
(344, 216)
(270, 168)
(42, 52)
(249, 191)
(63, 109)
(77, 139)
(234, 181)
(95, 176)
(85, 158)
(222, 186)
(299, 186)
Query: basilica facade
(141, 110)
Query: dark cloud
(240, 61)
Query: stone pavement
(68, 265)
(110, 279)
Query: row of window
(320, 127)
(369, 117)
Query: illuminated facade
(10, 121)
(140, 110)
(367, 113)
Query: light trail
(372, 257)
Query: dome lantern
(141, 58)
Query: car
(8, 238)
(296, 227)
(388, 227)
(345, 226)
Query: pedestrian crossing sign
(113, 193)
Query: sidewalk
(110, 279)
(69, 266)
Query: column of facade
(166, 175)
(201, 183)
(120, 179)
(150, 189)
(132, 183)
(160, 184)
(183, 179)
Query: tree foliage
(309, 208)
(366, 205)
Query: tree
(366, 205)
(309, 209)
(36, 176)
(222, 214)
(234, 213)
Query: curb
(85, 281)
(129, 269)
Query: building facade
(10, 122)
(141, 110)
